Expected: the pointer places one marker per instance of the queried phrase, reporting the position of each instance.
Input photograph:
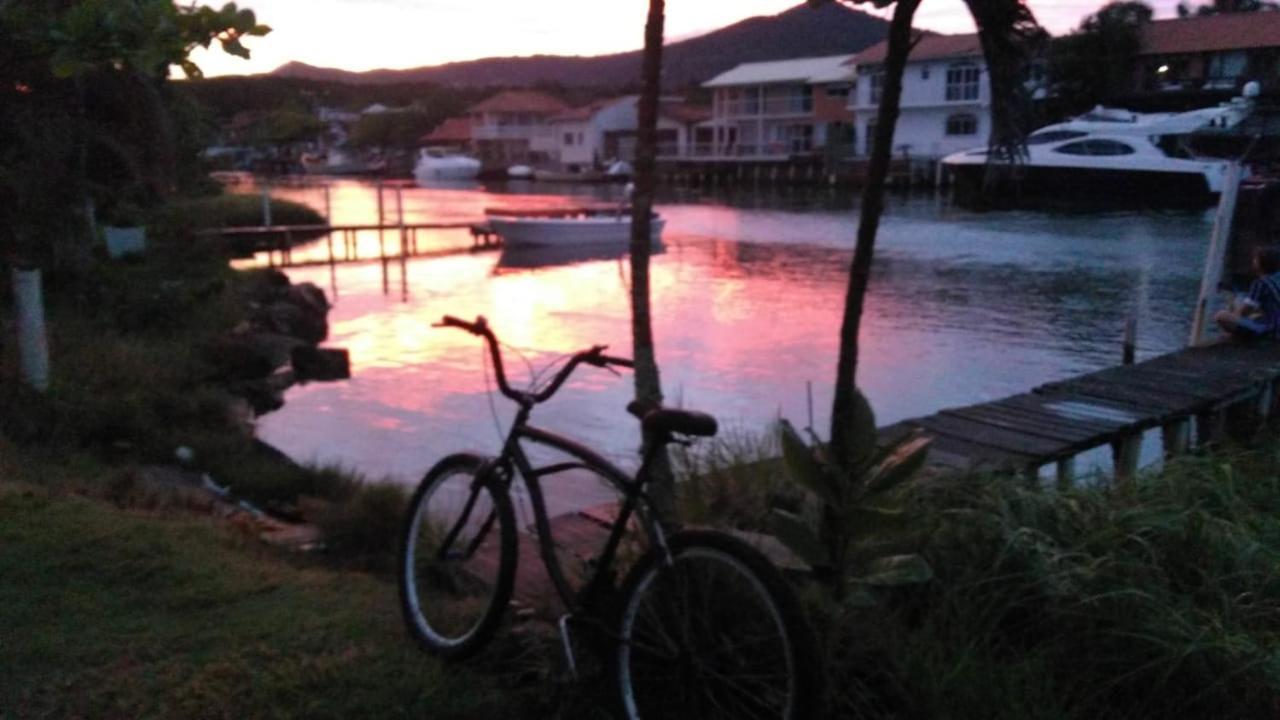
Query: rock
(313, 363)
(297, 320)
(251, 356)
(310, 296)
(262, 397)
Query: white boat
(574, 228)
(520, 172)
(1108, 154)
(437, 164)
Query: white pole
(33, 344)
(266, 204)
(1217, 248)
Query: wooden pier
(1195, 397)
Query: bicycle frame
(635, 500)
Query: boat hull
(1031, 184)
(545, 232)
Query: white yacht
(442, 165)
(1110, 154)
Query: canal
(747, 294)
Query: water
(747, 296)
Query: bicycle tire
(432, 617)
(753, 595)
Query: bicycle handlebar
(594, 356)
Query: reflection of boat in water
(440, 165)
(339, 162)
(1112, 155)
(569, 226)
(531, 257)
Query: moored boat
(1110, 155)
(569, 227)
(437, 164)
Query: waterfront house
(596, 134)
(454, 133)
(946, 96)
(776, 111)
(514, 127)
(1213, 54)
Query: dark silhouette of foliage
(1097, 61)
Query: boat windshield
(1049, 136)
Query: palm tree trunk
(900, 43)
(648, 383)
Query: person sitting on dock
(1258, 316)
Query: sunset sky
(367, 34)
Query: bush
(179, 220)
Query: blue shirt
(1264, 294)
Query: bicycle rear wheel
(457, 558)
(718, 634)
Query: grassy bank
(1159, 599)
(117, 614)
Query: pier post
(1125, 455)
(328, 206)
(1130, 339)
(1176, 437)
(33, 342)
(1217, 249)
(266, 204)
(1066, 472)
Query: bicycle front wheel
(717, 634)
(457, 557)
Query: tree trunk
(648, 383)
(900, 43)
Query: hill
(802, 31)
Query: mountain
(831, 29)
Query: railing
(797, 105)
(508, 132)
(736, 151)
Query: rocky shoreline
(277, 346)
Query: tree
(1096, 62)
(1007, 31)
(82, 99)
(647, 380)
(1223, 7)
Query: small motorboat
(520, 172)
(436, 164)
(567, 227)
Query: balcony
(509, 132)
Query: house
(514, 127)
(946, 96)
(1210, 53)
(453, 133)
(779, 110)
(592, 136)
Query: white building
(592, 136)
(779, 110)
(946, 96)
(514, 127)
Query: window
(962, 82)
(837, 91)
(924, 73)
(962, 124)
(876, 88)
(568, 138)
(1051, 136)
(1095, 148)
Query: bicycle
(704, 626)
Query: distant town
(801, 117)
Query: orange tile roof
(1228, 31)
(586, 111)
(931, 46)
(454, 129)
(520, 101)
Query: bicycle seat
(664, 421)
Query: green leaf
(860, 599)
(902, 462)
(792, 531)
(872, 522)
(896, 571)
(803, 466)
(862, 435)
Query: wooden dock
(278, 241)
(1194, 397)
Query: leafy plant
(852, 530)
